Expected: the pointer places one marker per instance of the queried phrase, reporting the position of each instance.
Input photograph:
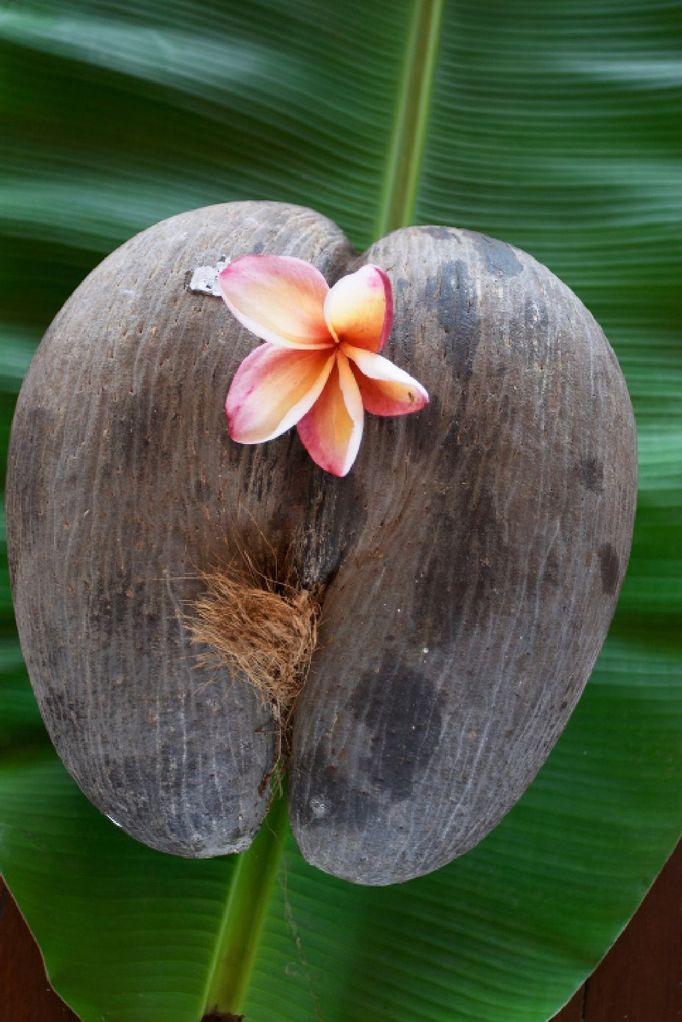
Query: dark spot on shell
(326, 794)
(134, 422)
(499, 257)
(591, 473)
(550, 575)
(610, 568)
(439, 233)
(401, 286)
(399, 724)
(402, 711)
(457, 309)
(472, 580)
(111, 600)
(423, 427)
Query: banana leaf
(550, 125)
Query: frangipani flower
(319, 368)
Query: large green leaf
(549, 125)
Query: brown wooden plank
(573, 1011)
(25, 994)
(640, 980)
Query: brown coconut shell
(470, 563)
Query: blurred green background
(554, 126)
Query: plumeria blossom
(320, 368)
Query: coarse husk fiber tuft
(253, 621)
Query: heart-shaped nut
(470, 561)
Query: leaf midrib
(242, 920)
(244, 914)
(406, 150)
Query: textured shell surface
(472, 559)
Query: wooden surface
(640, 980)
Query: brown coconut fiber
(250, 622)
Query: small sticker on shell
(204, 279)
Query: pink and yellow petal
(385, 389)
(278, 298)
(359, 308)
(332, 430)
(272, 389)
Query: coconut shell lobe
(460, 631)
(123, 488)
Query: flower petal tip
(384, 281)
(332, 430)
(358, 309)
(272, 389)
(386, 389)
(278, 298)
